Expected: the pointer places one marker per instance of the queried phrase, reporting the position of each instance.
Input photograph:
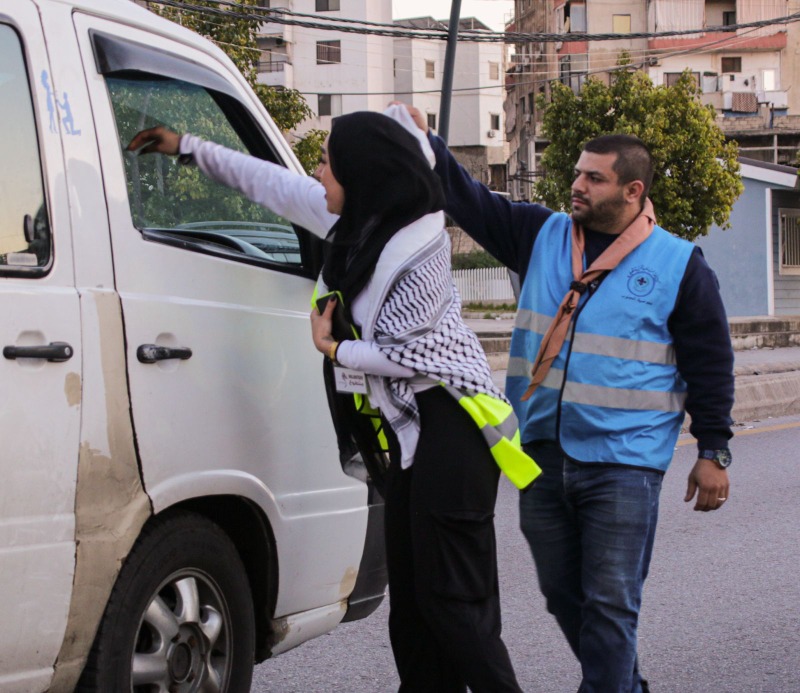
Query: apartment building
(344, 72)
(476, 134)
(336, 72)
(747, 74)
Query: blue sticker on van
(64, 106)
(51, 103)
(67, 119)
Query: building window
(263, 3)
(494, 70)
(430, 69)
(564, 70)
(329, 52)
(571, 18)
(432, 121)
(577, 18)
(789, 232)
(329, 105)
(731, 65)
(621, 24)
(327, 5)
(729, 18)
(494, 120)
(671, 78)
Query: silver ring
(722, 499)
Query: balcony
(276, 72)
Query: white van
(172, 504)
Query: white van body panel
(246, 326)
(97, 445)
(40, 414)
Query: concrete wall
(739, 256)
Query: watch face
(723, 458)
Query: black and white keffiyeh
(420, 326)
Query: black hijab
(388, 183)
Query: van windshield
(165, 196)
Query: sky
(493, 13)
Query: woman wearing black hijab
(380, 207)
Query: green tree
(237, 37)
(696, 171)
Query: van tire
(180, 560)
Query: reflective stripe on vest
(614, 393)
(498, 424)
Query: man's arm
(506, 229)
(704, 355)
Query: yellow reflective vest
(494, 417)
(497, 422)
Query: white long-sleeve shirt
(301, 199)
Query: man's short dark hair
(634, 161)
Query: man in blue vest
(644, 338)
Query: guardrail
(487, 284)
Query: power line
(356, 26)
(639, 60)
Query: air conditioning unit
(491, 133)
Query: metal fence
(484, 285)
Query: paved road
(721, 608)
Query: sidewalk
(767, 379)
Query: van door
(40, 371)
(226, 387)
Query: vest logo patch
(642, 281)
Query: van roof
(133, 14)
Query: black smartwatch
(721, 457)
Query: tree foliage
(237, 37)
(475, 259)
(696, 171)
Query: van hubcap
(183, 643)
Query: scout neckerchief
(633, 236)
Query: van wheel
(180, 617)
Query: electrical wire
(288, 17)
(547, 75)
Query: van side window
(24, 225)
(176, 204)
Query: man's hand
(710, 483)
(155, 140)
(417, 115)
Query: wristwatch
(722, 457)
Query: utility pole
(449, 68)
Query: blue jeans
(591, 530)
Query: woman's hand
(155, 140)
(321, 326)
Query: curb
(762, 391)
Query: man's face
(598, 200)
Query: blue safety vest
(613, 394)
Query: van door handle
(55, 352)
(150, 353)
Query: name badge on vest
(348, 380)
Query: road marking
(748, 432)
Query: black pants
(444, 620)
